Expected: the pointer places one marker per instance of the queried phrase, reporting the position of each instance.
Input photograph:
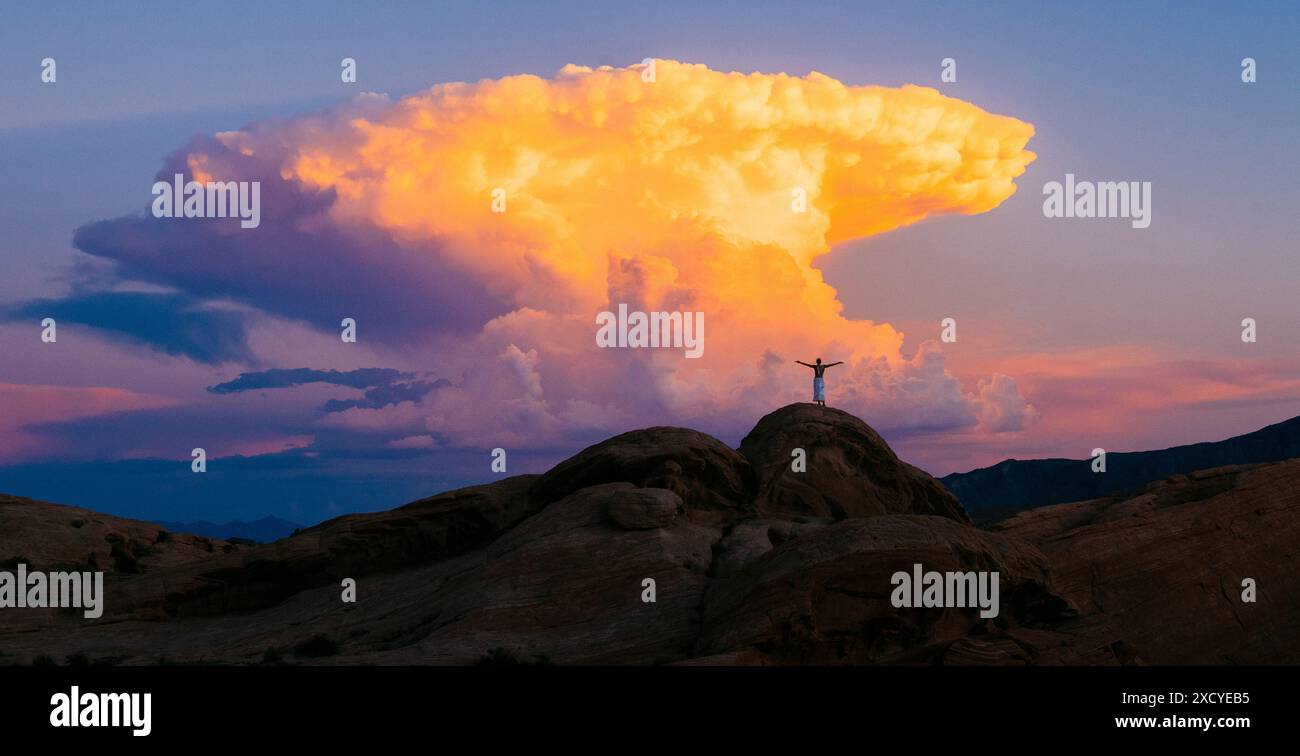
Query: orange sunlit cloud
(680, 193)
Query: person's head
(819, 360)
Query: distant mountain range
(265, 530)
(1013, 484)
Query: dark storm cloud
(176, 324)
(295, 264)
(288, 378)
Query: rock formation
(1167, 566)
(749, 561)
(851, 471)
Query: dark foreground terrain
(753, 564)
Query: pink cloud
(24, 405)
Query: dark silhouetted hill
(265, 530)
(1013, 485)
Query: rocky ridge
(752, 563)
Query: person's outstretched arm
(803, 363)
(833, 364)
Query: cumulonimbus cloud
(675, 192)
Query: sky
(475, 329)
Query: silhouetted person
(819, 383)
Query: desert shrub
(123, 561)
